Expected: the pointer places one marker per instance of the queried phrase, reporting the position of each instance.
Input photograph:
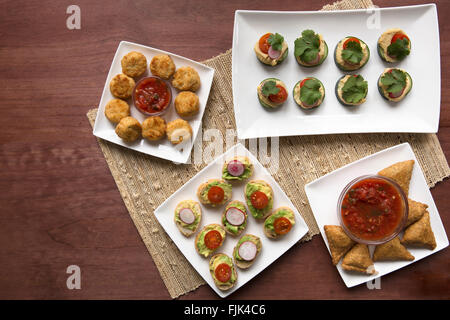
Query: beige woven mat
(145, 182)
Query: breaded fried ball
(178, 131)
(116, 110)
(129, 129)
(187, 104)
(122, 86)
(134, 64)
(162, 66)
(186, 78)
(154, 128)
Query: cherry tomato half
(216, 194)
(282, 225)
(400, 36)
(213, 239)
(303, 82)
(264, 43)
(259, 200)
(350, 40)
(223, 272)
(281, 96)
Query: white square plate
(271, 249)
(376, 114)
(324, 192)
(104, 129)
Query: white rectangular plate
(324, 192)
(104, 129)
(376, 114)
(271, 249)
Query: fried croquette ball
(186, 78)
(178, 131)
(134, 64)
(129, 129)
(122, 86)
(162, 66)
(187, 104)
(116, 110)
(153, 128)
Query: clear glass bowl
(400, 225)
(157, 113)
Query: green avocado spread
(281, 213)
(219, 260)
(252, 187)
(225, 186)
(234, 229)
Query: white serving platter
(324, 192)
(271, 249)
(104, 129)
(418, 112)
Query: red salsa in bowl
(372, 209)
(152, 96)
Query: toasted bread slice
(242, 227)
(255, 212)
(243, 264)
(221, 285)
(243, 160)
(206, 201)
(207, 228)
(271, 233)
(187, 232)
(338, 241)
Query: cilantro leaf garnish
(399, 49)
(269, 87)
(310, 91)
(354, 89)
(307, 46)
(276, 41)
(394, 81)
(353, 53)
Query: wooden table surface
(59, 203)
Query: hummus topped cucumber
(351, 90)
(272, 93)
(238, 168)
(209, 239)
(310, 49)
(188, 215)
(279, 223)
(309, 93)
(246, 251)
(259, 198)
(234, 218)
(222, 271)
(214, 192)
(351, 54)
(393, 45)
(394, 84)
(271, 49)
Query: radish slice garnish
(235, 216)
(187, 216)
(247, 250)
(274, 54)
(235, 168)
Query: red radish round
(235, 216)
(235, 168)
(247, 250)
(274, 54)
(187, 216)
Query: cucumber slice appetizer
(297, 96)
(342, 101)
(347, 67)
(385, 95)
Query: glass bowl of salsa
(152, 96)
(372, 209)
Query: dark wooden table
(59, 203)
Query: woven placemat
(145, 182)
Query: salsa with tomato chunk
(152, 95)
(372, 209)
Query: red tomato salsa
(372, 209)
(152, 95)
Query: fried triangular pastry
(338, 242)
(416, 211)
(420, 234)
(358, 259)
(400, 172)
(392, 251)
